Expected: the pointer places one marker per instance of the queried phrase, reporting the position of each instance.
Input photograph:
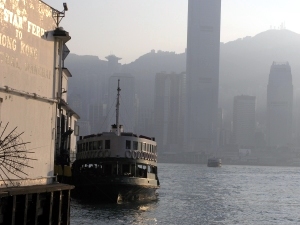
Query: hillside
(245, 64)
(244, 68)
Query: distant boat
(214, 162)
(116, 166)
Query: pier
(38, 204)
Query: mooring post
(25, 209)
(50, 208)
(13, 213)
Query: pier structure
(37, 126)
(38, 204)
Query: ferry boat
(214, 162)
(116, 166)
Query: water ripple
(196, 194)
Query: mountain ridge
(244, 67)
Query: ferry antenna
(117, 108)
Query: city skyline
(132, 28)
(250, 57)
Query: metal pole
(117, 108)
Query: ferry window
(140, 146)
(144, 147)
(155, 169)
(95, 145)
(79, 148)
(148, 147)
(132, 169)
(126, 169)
(107, 144)
(83, 146)
(141, 170)
(100, 144)
(100, 168)
(135, 145)
(107, 169)
(128, 144)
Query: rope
(106, 120)
(127, 114)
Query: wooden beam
(25, 209)
(37, 208)
(59, 208)
(13, 213)
(50, 208)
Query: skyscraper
(279, 105)
(244, 120)
(169, 111)
(202, 67)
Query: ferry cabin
(124, 155)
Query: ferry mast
(118, 108)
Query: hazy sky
(131, 28)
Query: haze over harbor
(250, 45)
(244, 70)
(81, 124)
(131, 28)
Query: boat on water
(214, 162)
(116, 166)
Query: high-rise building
(244, 120)
(95, 118)
(221, 140)
(169, 111)
(113, 66)
(296, 116)
(145, 124)
(279, 105)
(202, 68)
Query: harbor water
(197, 194)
